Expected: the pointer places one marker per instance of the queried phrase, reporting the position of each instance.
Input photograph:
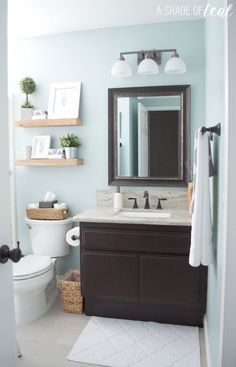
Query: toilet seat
(31, 266)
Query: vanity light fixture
(148, 66)
(175, 65)
(121, 68)
(148, 61)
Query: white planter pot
(26, 113)
(71, 152)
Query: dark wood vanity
(141, 271)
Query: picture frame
(64, 100)
(40, 146)
(57, 153)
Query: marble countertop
(109, 215)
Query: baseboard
(207, 346)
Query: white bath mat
(125, 343)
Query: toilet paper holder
(74, 237)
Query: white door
(142, 140)
(7, 318)
(228, 324)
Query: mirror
(149, 135)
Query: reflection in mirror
(149, 135)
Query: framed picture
(40, 146)
(57, 153)
(64, 100)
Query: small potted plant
(27, 86)
(70, 143)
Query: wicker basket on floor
(70, 290)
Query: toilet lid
(31, 265)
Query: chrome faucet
(146, 196)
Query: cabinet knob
(14, 255)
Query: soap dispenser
(118, 199)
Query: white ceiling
(28, 18)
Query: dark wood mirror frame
(172, 90)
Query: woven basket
(70, 290)
(47, 213)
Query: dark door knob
(5, 254)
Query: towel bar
(214, 129)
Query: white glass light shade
(175, 65)
(121, 68)
(148, 67)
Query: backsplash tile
(175, 199)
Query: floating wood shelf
(49, 122)
(49, 162)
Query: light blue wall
(88, 56)
(215, 110)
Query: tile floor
(47, 341)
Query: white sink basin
(142, 214)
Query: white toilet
(34, 277)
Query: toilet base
(32, 305)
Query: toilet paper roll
(73, 237)
(33, 206)
(60, 206)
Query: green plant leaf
(27, 85)
(70, 140)
(27, 105)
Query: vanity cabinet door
(169, 279)
(110, 274)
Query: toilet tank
(48, 237)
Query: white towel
(201, 250)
